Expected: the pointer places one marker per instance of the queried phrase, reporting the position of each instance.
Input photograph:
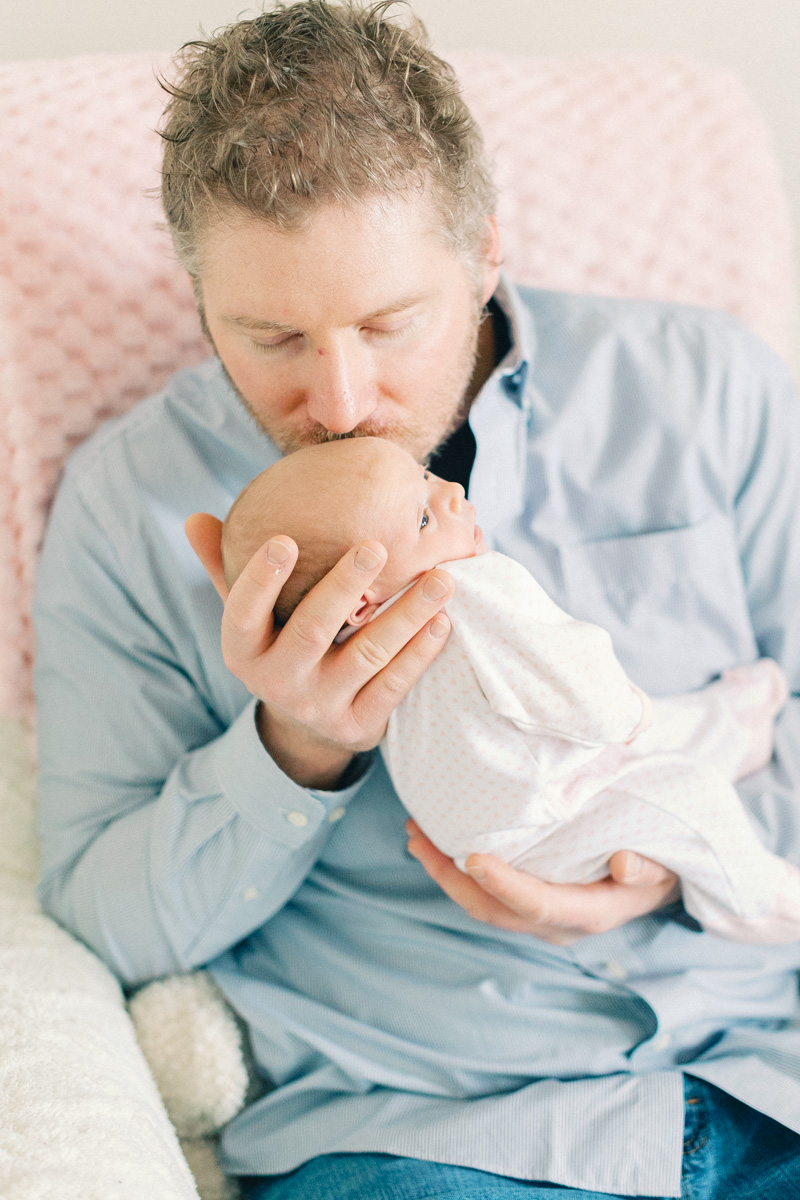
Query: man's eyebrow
(258, 325)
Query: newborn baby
(525, 738)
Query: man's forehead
(382, 250)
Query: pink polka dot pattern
(522, 740)
(648, 178)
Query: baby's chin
(477, 547)
(391, 587)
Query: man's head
(316, 103)
(326, 188)
(331, 496)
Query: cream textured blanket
(80, 1114)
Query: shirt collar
(512, 374)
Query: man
(326, 190)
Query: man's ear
(362, 612)
(492, 259)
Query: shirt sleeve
(167, 836)
(761, 416)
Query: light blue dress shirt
(643, 461)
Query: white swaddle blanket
(525, 739)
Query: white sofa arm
(80, 1115)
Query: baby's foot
(754, 694)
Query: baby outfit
(525, 739)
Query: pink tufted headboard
(628, 177)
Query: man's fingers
(463, 890)
(320, 615)
(247, 620)
(375, 702)
(204, 534)
(627, 867)
(481, 898)
(524, 894)
(381, 642)
(577, 908)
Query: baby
(525, 738)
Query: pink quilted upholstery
(653, 178)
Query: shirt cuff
(274, 804)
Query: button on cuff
(296, 818)
(616, 970)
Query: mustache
(318, 435)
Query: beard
(420, 435)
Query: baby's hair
(325, 497)
(250, 523)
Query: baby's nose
(457, 495)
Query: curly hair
(313, 103)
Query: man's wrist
(309, 762)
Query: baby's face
(333, 496)
(425, 521)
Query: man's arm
(166, 837)
(763, 420)
(169, 834)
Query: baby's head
(333, 496)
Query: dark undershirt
(454, 458)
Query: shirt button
(616, 970)
(297, 818)
(335, 814)
(250, 893)
(662, 1042)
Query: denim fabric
(730, 1152)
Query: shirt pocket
(674, 601)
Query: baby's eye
(424, 521)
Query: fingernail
(476, 873)
(439, 627)
(631, 867)
(434, 589)
(277, 553)
(366, 559)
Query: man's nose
(340, 391)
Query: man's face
(360, 322)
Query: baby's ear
(362, 611)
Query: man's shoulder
(193, 441)
(667, 329)
(193, 396)
(190, 447)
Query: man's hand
(321, 703)
(559, 913)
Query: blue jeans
(730, 1152)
